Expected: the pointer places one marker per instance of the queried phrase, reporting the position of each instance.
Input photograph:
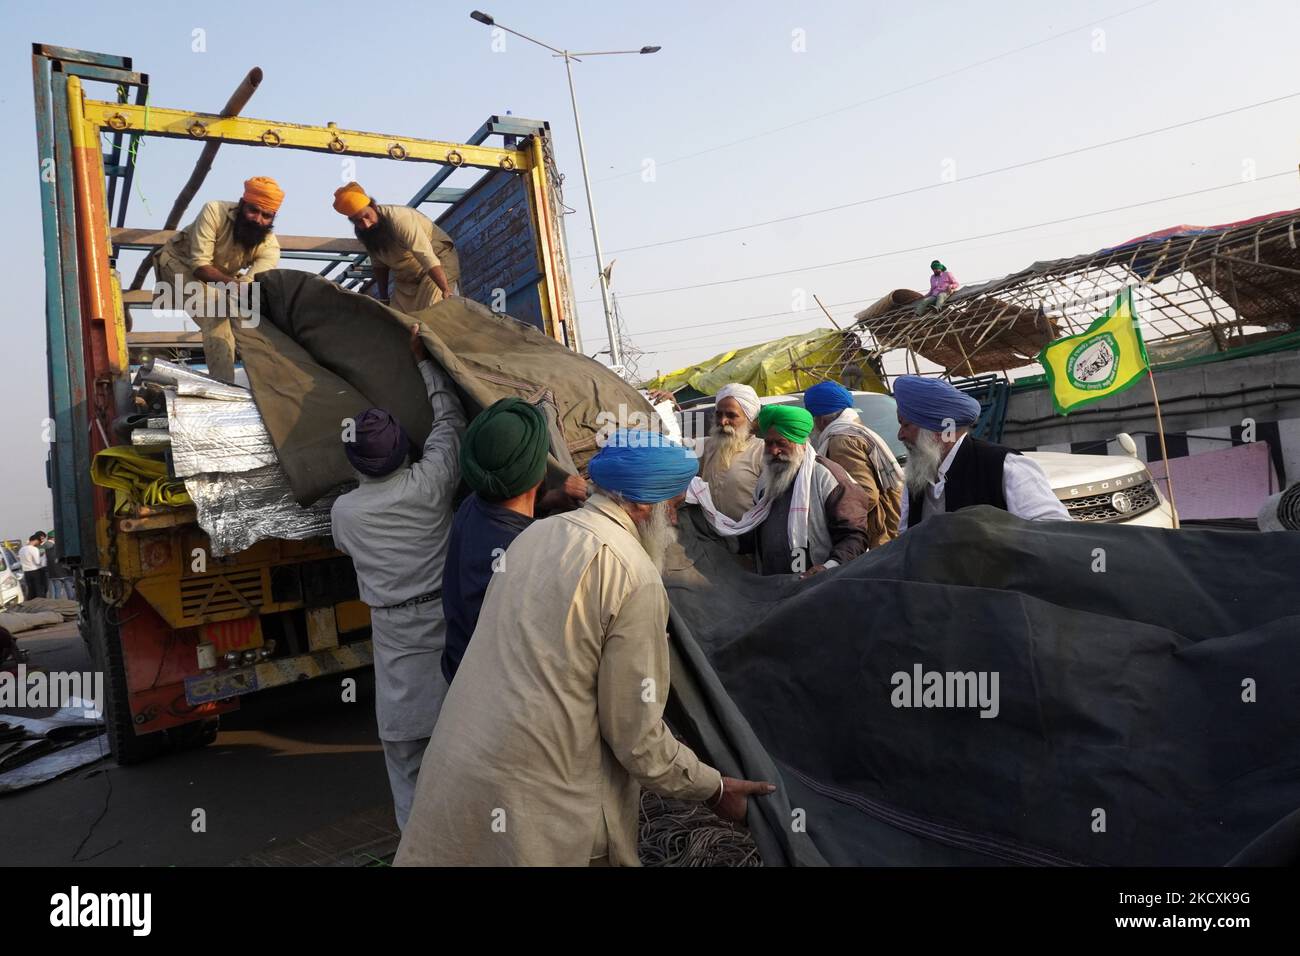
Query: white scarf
(797, 527)
(883, 461)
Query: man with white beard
(555, 720)
(733, 454)
(948, 469)
(808, 514)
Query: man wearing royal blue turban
(395, 526)
(555, 720)
(840, 436)
(948, 469)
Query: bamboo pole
(1164, 452)
(828, 313)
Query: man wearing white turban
(733, 455)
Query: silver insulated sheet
(222, 450)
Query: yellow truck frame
(156, 609)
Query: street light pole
(615, 353)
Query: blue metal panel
(62, 465)
(447, 194)
(493, 231)
(72, 344)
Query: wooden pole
(1164, 453)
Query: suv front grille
(1101, 507)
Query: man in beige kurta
(732, 460)
(555, 719)
(405, 245)
(228, 244)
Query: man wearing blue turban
(555, 720)
(395, 526)
(948, 469)
(840, 436)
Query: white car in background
(11, 579)
(1114, 489)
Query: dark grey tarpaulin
(1122, 654)
(1120, 693)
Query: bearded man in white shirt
(948, 469)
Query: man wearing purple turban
(395, 526)
(555, 720)
(948, 469)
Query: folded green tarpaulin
(321, 355)
(137, 479)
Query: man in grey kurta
(395, 526)
(555, 719)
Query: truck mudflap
(204, 688)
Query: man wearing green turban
(808, 514)
(942, 284)
(503, 459)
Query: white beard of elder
(923, 460)
(655, 531)
(729, 441)
(780, 468)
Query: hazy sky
(752, 111)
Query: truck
(280, 611)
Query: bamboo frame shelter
(1200, 289)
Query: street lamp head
(482, 17)
(651, 49)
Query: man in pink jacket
(942, 284)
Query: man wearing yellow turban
(229, 243)
(405, 244)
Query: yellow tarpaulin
(779, 367)
(136, 479)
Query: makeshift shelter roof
(1219, 286)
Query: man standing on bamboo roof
(555, 720)
(405, 245)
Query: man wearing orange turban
(229, 243)
(405, 244)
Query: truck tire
(192, 736)
(101, 636)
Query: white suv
(1116, 489)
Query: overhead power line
(941, 242)
(939, 185)
(894, 92)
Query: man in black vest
(948, 469)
